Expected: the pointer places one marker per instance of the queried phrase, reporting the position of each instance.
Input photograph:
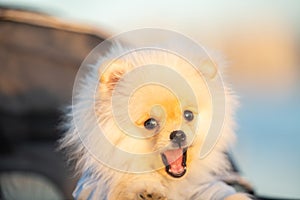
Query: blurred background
(43, 42)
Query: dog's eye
(150, 123)
(188, 115)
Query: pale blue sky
(188, 17)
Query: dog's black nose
(178, 137)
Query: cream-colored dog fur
(101, 180)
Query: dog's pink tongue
(174, 158)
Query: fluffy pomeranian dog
(138, 123)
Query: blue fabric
(215, 191)
(88, 188)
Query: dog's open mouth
(175, 162)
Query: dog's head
(156, 103)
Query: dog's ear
(113, 72)
(209, 68)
